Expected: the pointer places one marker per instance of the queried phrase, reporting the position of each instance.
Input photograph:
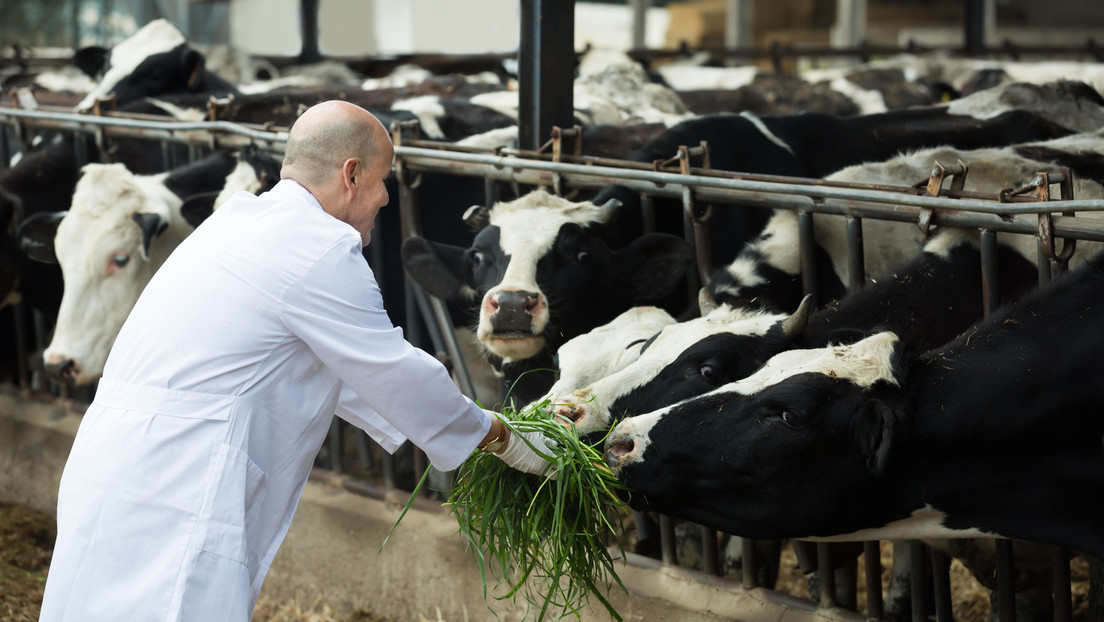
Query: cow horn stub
(477, 217)
(793, 327)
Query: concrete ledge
(332, 556)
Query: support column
(546, 69)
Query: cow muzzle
(514, 312)
(621, 450)
(62, 370)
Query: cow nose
(619, 447)
(512, 309)
(572, 412)
(61, 370)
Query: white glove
(519, 455)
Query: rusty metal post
(872, 564)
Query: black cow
(989, 435)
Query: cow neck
(1003, 444)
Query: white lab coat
(218, 392)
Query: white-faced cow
(120, 229)
(990, 435)
(541, 272)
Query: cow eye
(791, 419)
(709, 372)
(120, 260)
(583, 257)
(476, 258)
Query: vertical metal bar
(1044, 265)
(308, 31)
(490, 192)
(872, 564)
(1006, 582)
(975, 27)
(166, 155)
(738, 18)
(827, 575)
(918, 581)
(388, 464)
(749, 563)
(20, 327)
(941, 580)
(639, 23)
(335, 445)
(5, 148)
(647, 213)
(421, 463)
(807, 241)
(1063, 593)
(856, 265)
(546, 69)
(710, 554)
(667, 539)
(989, 270)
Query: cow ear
(438, 268)
(36, 236)
(706, 302)
(876, 428)
(152, 225)
(793, 327)
(653, 265)
(477, 217)
(92, 60)
(193, 63)
(198, 207)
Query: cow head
(811, 429)
(118, 231)
(683, 360)
(542, 272)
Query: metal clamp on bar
(98, 104)
(397, 129)
(1040, 185)
(934, 185)
(216, 105)
(575, 133)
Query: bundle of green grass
(545, 537)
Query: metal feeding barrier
(559, 166)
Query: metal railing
(1025, 210)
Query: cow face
(751, 457)
(543, 273)
(683, 360)
(119, 230)
(607, 349)
(153, 61)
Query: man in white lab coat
(220, 388)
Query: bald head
(327, 135)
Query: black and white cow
(156, 60)
(816, 145)
(767, 271)
(119, 230)
(541, 271)
(990, 435)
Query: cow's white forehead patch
(155, 37)
(862, 363)
(529, 225)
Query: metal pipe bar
(872, 564)
(710, 553)
(1006, 582)
(856, 265)
(827, 575)
(669, 553)
(941, 586)
(807, 243)
(917, 581)
(1063, 592)
(749, 563)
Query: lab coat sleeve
(337, 310)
